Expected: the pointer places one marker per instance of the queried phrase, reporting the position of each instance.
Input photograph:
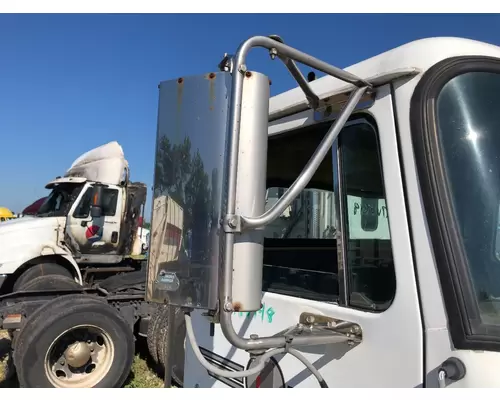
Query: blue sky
(69, 83)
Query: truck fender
(64, 253)
(76, 269)
(31, 253)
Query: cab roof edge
(375, 81)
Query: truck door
(356, 266)
(97, 235)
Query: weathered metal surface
(189, 163)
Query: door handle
(453, 369)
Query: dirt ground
(143, 373)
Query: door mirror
(96, 204)
(95, 211)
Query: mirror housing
(96, 204)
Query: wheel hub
(77, 355)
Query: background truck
(73, 236)
(73, 279)
(143, 232)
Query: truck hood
(26, 238)
(27, 225)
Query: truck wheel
(152, 334)
(74, 341)
(46, 282)
(179, 344)
(41, 269)
(161, 338)
(50, 282)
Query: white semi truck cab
(343, 233)
(88, 223)
(73, 279)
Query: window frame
(88, 190)
(466, 327)
(115, 204)
(66, 212)
(345, 291)
(340, 201)
(80, 201)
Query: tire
(179, 327)
(152, 334)
(161, 338)
(46, 282)
(50, 282)
(157, 341)
(59, 315)
(38, 270)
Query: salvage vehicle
(73, 279)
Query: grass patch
(7, 379)
(142, 375)
(4, 353)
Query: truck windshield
(59, 201)
(469, 138)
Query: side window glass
(310, 216)
(497, 236)
(468, 127)
(300, 250)
(109, 203)
(83, 208)
(370, 264)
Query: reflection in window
(370, 264)
(469, 127)
(300, 251)
(497, 237)
(60, 200)
(109, 203)
(82, 210)
(310, 216)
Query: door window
(300, 247)
(109, 203)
